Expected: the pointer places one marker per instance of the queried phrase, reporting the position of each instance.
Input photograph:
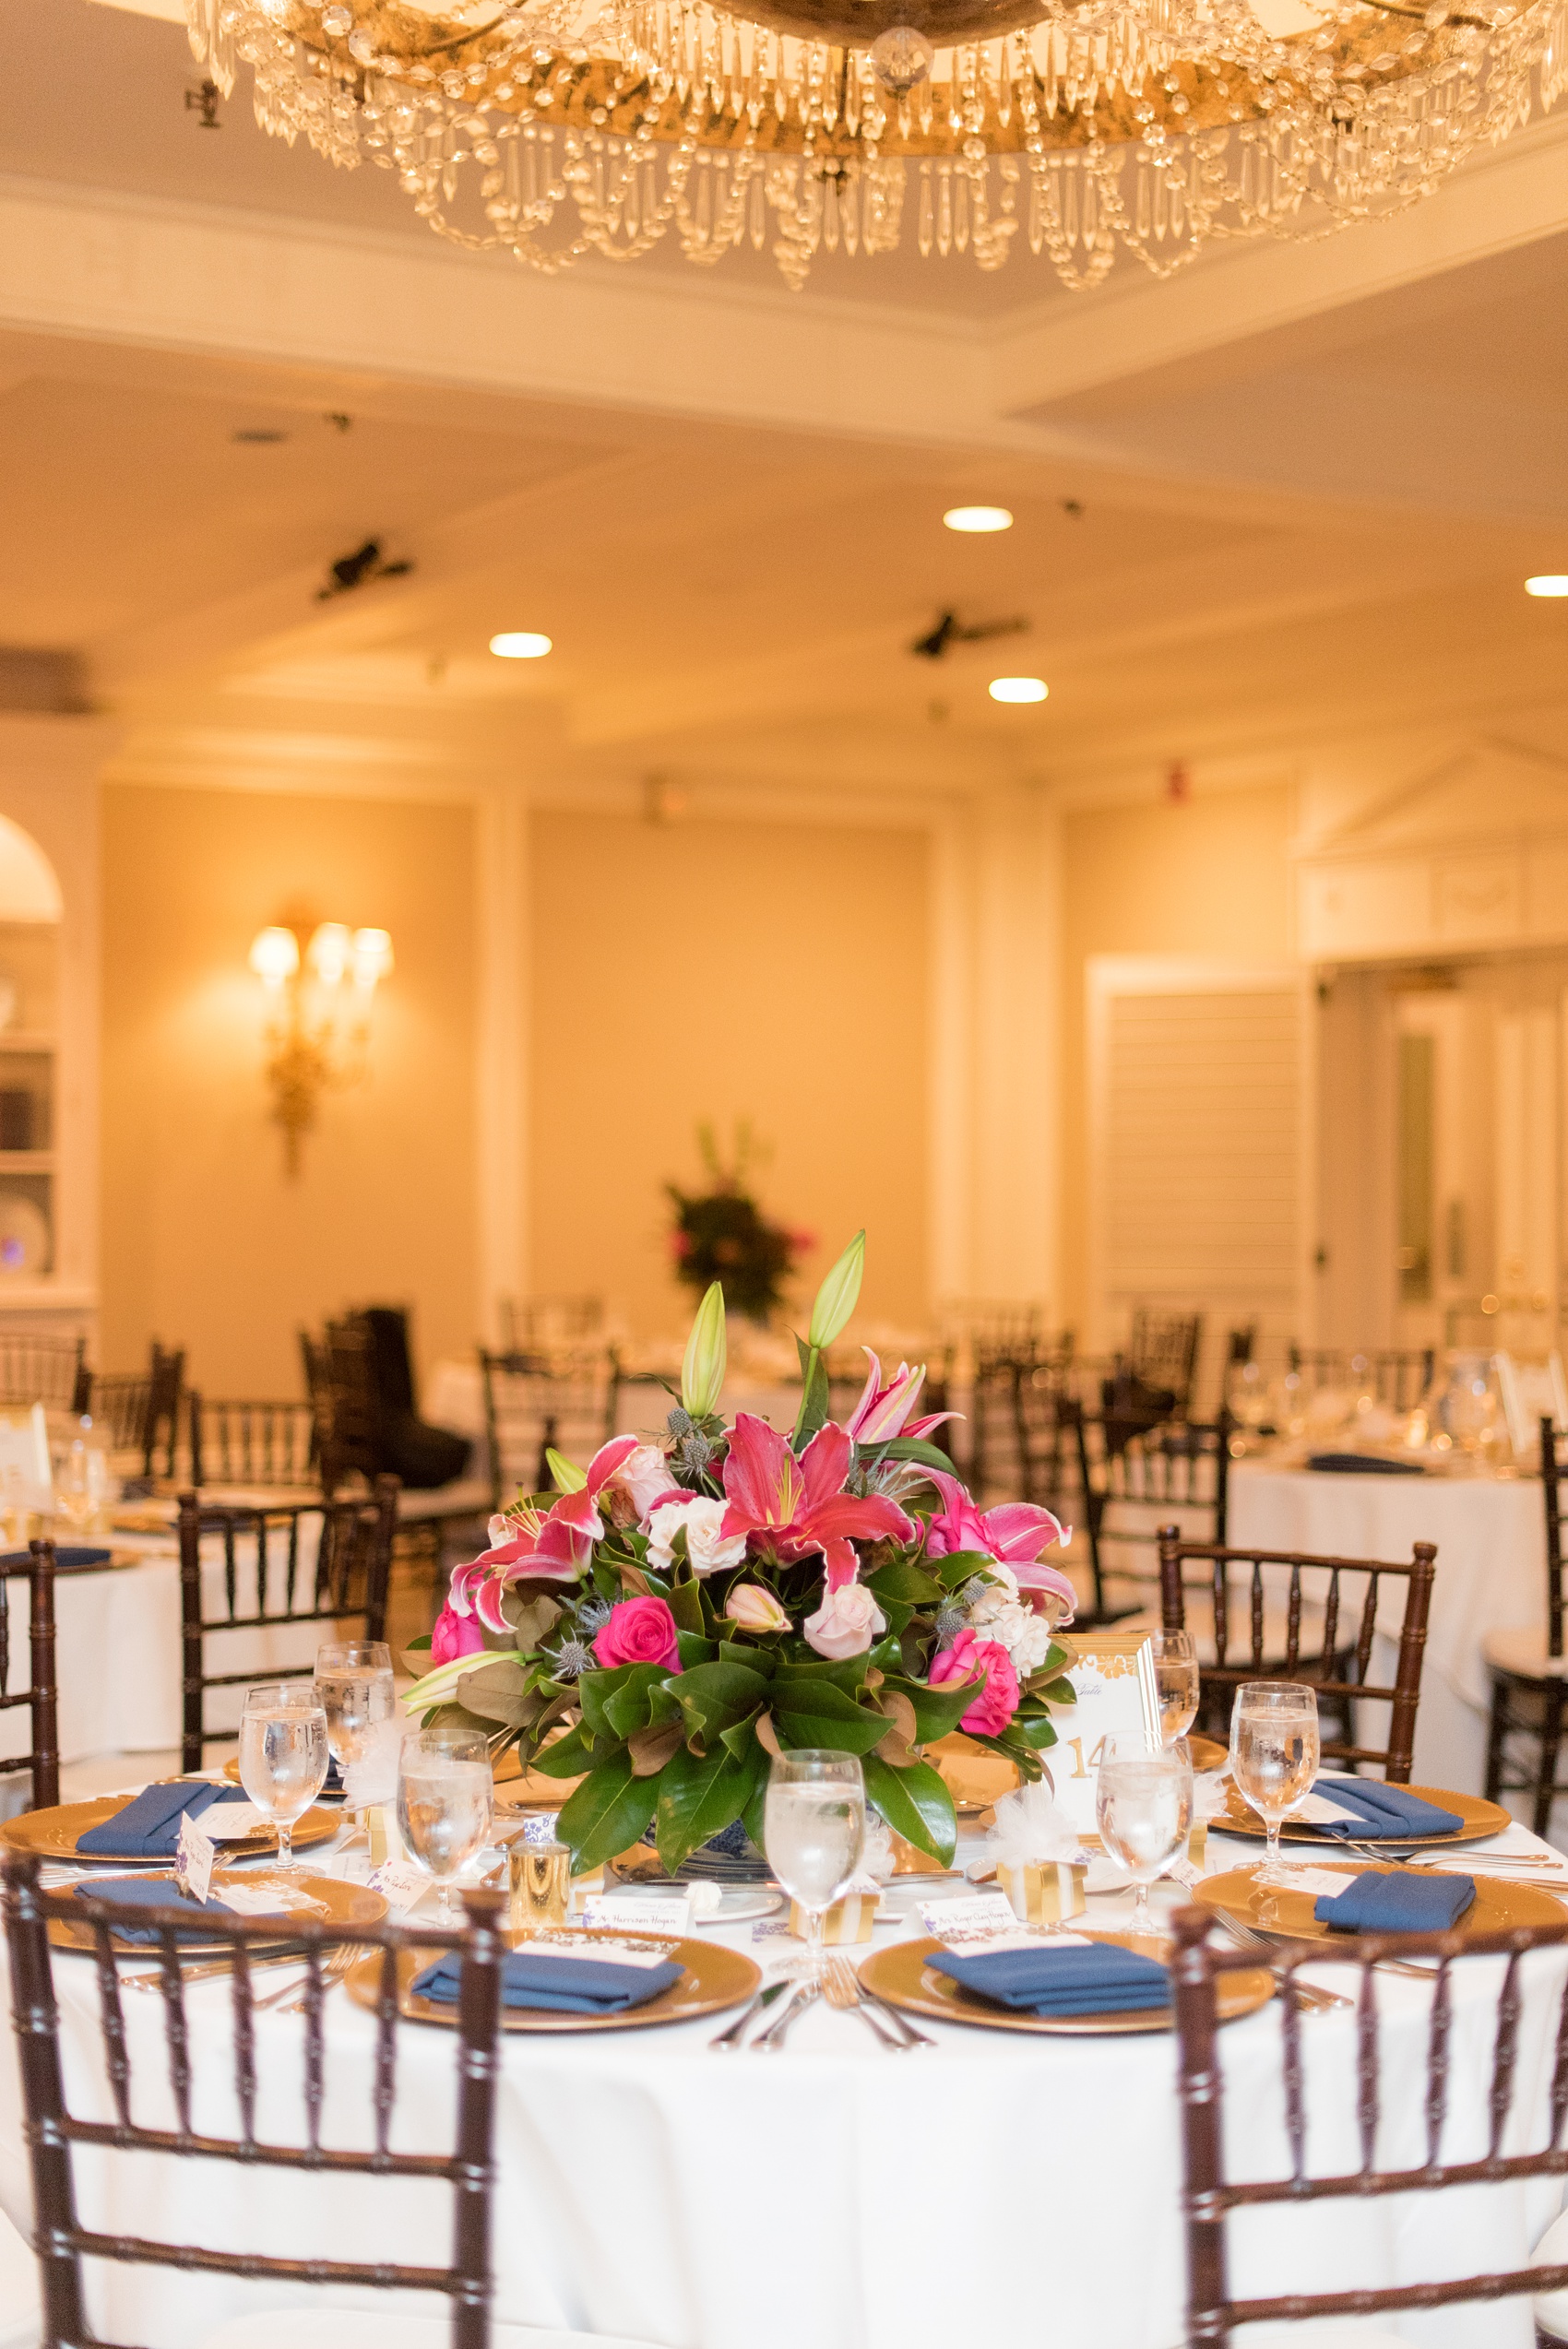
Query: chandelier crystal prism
(560, 128)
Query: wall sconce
(318, 1037)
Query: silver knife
(774, 2036)
(732, 2036)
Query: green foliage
(916, 1804)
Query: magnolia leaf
(607, 1813)
(651, 1749)
(898, 1746)
(916, 1804)
(568, 1757)
(766, 1737)
(905, 1581)
(530, 1618)
(499, 1691)
(916, 1448)
(699, 1795)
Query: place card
(248, 1900)
(1115, 1689)
(975, 1918)
(624, 1913)
(194, 1859)
(619, 1955)
(401, 1885)
(1315, 1880)
(228, 1823)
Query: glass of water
(283, 1754)
(1176, 1677)
(444, 1808)
(814, 1831)
(1144, 1809)
(1274, 1754)
(353, 1680)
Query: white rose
(846, 1623)
(999, 1592)
(642, 1476)
(707, 1547)
(1023, 1634)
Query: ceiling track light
(1547, 583)
(977, 520)
(1019, 689)
(520, 644)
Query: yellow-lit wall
(1205, 876)
(725, 971)
(204, 1243)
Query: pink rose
(846, 1623)
(454, 1635)
(998, 1701)
(640, 1631)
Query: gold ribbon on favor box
(1043, 1892)
(849, 1919)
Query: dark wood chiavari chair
(1498, 2117)
(1162, 1353)
(1287, 1633)
(36, 1368)
(533, 1405)
(1398, 1376)
(341, 1381)
(41, 1696)
(1130, 1474)
(1530, 1671)
(551, 1324)
(272, 1580)
(1047, 1416)
(140, 1409)
(251, 1443)
(56, 2125)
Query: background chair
(35, 1367)
(1162, 1353)
(55, 2129)
(1398, 1376)
(1300, 1622)
(1131, 1476)
(272, 1579)
(140, 1409)
(551, 1324)
(40, 1695)
(534, 1404)
(1528, 1671)
(1210, 2196)
(251, 1443)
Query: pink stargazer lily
(1015, 1533)
(787, 1507)
(550, 1546)
(884, 1412)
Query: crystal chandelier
(564, 127)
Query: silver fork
(1316, 2002)
(204, 1973)
(841, 1990)
(336, 1966)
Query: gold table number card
(1113, 1692)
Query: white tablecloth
(1022, 2189)
(1490, 1536)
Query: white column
(501, 885)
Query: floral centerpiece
(682, 1610)
(721, 1234)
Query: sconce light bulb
(372, 956)
(275, 955)
(329, 952)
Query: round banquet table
(1490, 1536)
(1020, 2188)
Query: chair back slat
(1128, 1465)
(1397, 1375)
(352, 1569)
(1551, 1476)
(1493, 2109)
(1163, 1352)
(259, 1444)
(36, 1368)
(40, 1694)
(1342, 1676)
(534, 1404)
(55, 2130)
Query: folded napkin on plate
(151, 1892)
(1102, 1978)
(148, 1827)
(1362, 1464)
(1374, 1903)
(1380, 1809)
(69, 1555)
(561, 1985)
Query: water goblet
(283, 1754)
(1176, 1678)
(1144, 1809)
(814, 1832)
(1274, 1755)
(444, 1808)
(353, 1679)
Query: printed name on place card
(615, 1912)
(400, 1883)
(1315, 1880)
(985, 1921)
(227, 1823)
(576, 1948)
(194, 1859)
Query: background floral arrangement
(723, 1235)
(683, 1608)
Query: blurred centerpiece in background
(721, 1234)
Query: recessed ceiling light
(1019, 689)
(519, 644)
(258, 436)
(1547, 583)
(978, 517)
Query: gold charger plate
(1207, 1752)
(1275, 1909)
(900, 1975)
(340, 1904)
(1481, 1818)
(714, 1978)
(53, 1833)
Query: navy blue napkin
(149, 1892)
(1381, 1809)
(1362, 1464)
(1375, 1903)
(69, 1555)
(560, 1985)
(1102, 1978)
(148, 1827)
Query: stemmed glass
(353, 1679)
(1274, 1755)
(444, 1808)
(814, 1832)
(1144, 1809)
(283, 1754)
(1176, 1677)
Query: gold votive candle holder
(849, 1919)
(539, 1874)
(1043, 1891)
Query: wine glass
(353, 1679)
(1176, 1677)
(814, 1832)
(444, 1808)
(283, 1754)
(1274, 1754)
(1144, 1808)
